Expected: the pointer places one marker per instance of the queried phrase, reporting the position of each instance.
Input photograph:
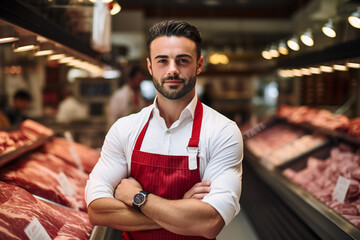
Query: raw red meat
(60, 147)
(38, 174)
(34, 130)
(320, 178)
(18, 208)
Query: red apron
(165, 176)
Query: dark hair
(170, 28)
(21, 94)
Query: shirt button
(167, 131)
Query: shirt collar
(190, 107)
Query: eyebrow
(177, 56)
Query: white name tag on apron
(193, 153)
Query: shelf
(10, 156)
(332, 133)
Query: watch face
(139, 198)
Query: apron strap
(195, 135)
(142, 134)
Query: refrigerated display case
(310, 217)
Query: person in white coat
(127, 99)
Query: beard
(175, 92)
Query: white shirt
(71, 110)
(122, 104)
(220, 152)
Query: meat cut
(319, 177)
(18, 208)
(38, 173)
(60, 147)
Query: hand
(126, 190)
(198, 191)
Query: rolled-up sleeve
(224, 171)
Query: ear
(199, 65)
(148, 63)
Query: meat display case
(325, 222)
(21, 152)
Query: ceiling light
(326, 69)
(353, 65)
(293, 44)
(45, 49)
(307, 38)
(66, 59)
(114, 8)
(273, 51)
(354, 18)
(283, 49)
(218, 58)
(315, 70)
(297, 72)
(266, 54)
(8, 34)
(306, 71)
(26, 43)
(328, 29)
(339, 67)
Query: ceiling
(216, 8)
(240, 28)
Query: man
(127, 99)
(190, 189)
(20, 103)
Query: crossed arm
(187, 216)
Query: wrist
(139, 199)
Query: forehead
(172, 45)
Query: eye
(161, 60)
(183, 61)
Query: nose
(173, 69)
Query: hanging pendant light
(8, 34)
(328, 29)
(307, 38)
(293, 44)
(283, 49)
(26, 43)
(354, 18)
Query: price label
(35, 231)
(341, 188)
(65, 184)
(72, 150)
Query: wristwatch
(139, 199)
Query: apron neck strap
(195, 135)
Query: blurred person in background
(70, 109)
(15, 112)
(127, 99)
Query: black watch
(139, 199)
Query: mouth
(173, 81)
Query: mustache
(173, 78)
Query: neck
(170, 110)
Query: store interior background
(243, 84)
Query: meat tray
(289, 143)
(326, 222)
(10, 156)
